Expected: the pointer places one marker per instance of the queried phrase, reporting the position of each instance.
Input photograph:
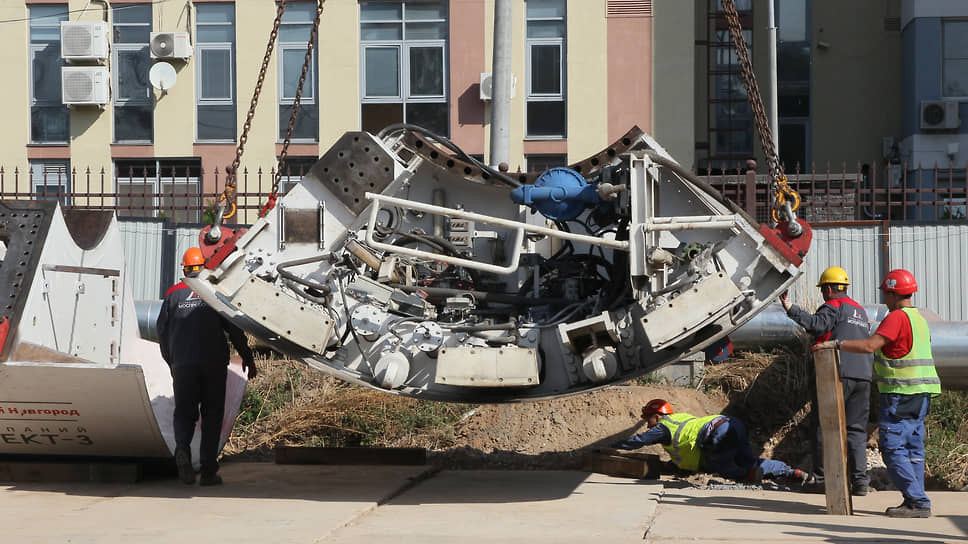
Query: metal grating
(628, 8)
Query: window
(733, 118)
(159, 188)
(793, 84)
(293, 171)
(51, 180)
(215, 72)
(133, 116)
(954, 70)
(49, 117)
(545, 59)
(294, 32)
(540, 163)
(403, 52)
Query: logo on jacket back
(191, 301)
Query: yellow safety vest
(684, 448)
(914, 373)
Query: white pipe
(771, 40)
(697, 222)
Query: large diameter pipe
(147, 311)
(949, 339)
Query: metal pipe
(949, 339)
(147, 311)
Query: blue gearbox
(560, 194)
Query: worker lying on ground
(717, 444)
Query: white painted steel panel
(143, 244)
(857, 249)
(937, 255)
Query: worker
(192, 339)
(841, 318)
(716, 443)
(906, 380)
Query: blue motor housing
(560, 194)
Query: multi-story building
(157, 93)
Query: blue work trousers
(727, 452)
(900, 420)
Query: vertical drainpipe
(501, 85)
(771, 40)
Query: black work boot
(183, 460)
(859, 489)
(906, 510)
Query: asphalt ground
(264, 502)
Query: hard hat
(193, 257)
(657, 406)
(834, 274)
(899, 281)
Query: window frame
(159, 181)
(944, 58)
(38, 183)
(403, 46)
(312, 77)
(562, 95)
(35, 48)
(200, 48)
(147, 102)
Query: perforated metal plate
(354, 165)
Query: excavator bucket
(401, 263)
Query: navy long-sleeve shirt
(656, 435)
(840, 318)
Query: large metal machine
(400, 263)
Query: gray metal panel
(186, 236)
(143, 242)
(856, 249)
(937, 255)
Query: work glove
(250, 370)
(829, 344)
(785, 301)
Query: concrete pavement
(263, 502)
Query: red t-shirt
(896, 327)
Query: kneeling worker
(717, 444)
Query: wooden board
(629, 465)
(289, 455)
(830, 400)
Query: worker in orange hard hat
(906, 380)
(716, 443)
(192, 339)
(840, 318)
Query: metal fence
(895, 193)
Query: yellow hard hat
(834, 274)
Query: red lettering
(75, 413)
(46, 412)
(12, 410)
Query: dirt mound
(591, 420)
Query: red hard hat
(657, 406)
(193, 257)
(899, 281)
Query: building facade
(157, 93)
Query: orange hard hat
(899, 281)
(193, 257)
(657, 406)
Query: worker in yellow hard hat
(191, 336)
(841, 318)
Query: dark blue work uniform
(192, 339)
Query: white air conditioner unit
(939, 115)
(170, 45)
(86, 85)
(84, 40)
(487, 86)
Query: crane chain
(785, 199)
(283, 154)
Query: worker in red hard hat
(840, 318)
(906, 380)
(191, 336)
(716, 443)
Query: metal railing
(188, 194)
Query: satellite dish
(162, 76)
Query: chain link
(782, 193)
(231, 178)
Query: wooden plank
(632, 465)
(830, 400)
(292, 455)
